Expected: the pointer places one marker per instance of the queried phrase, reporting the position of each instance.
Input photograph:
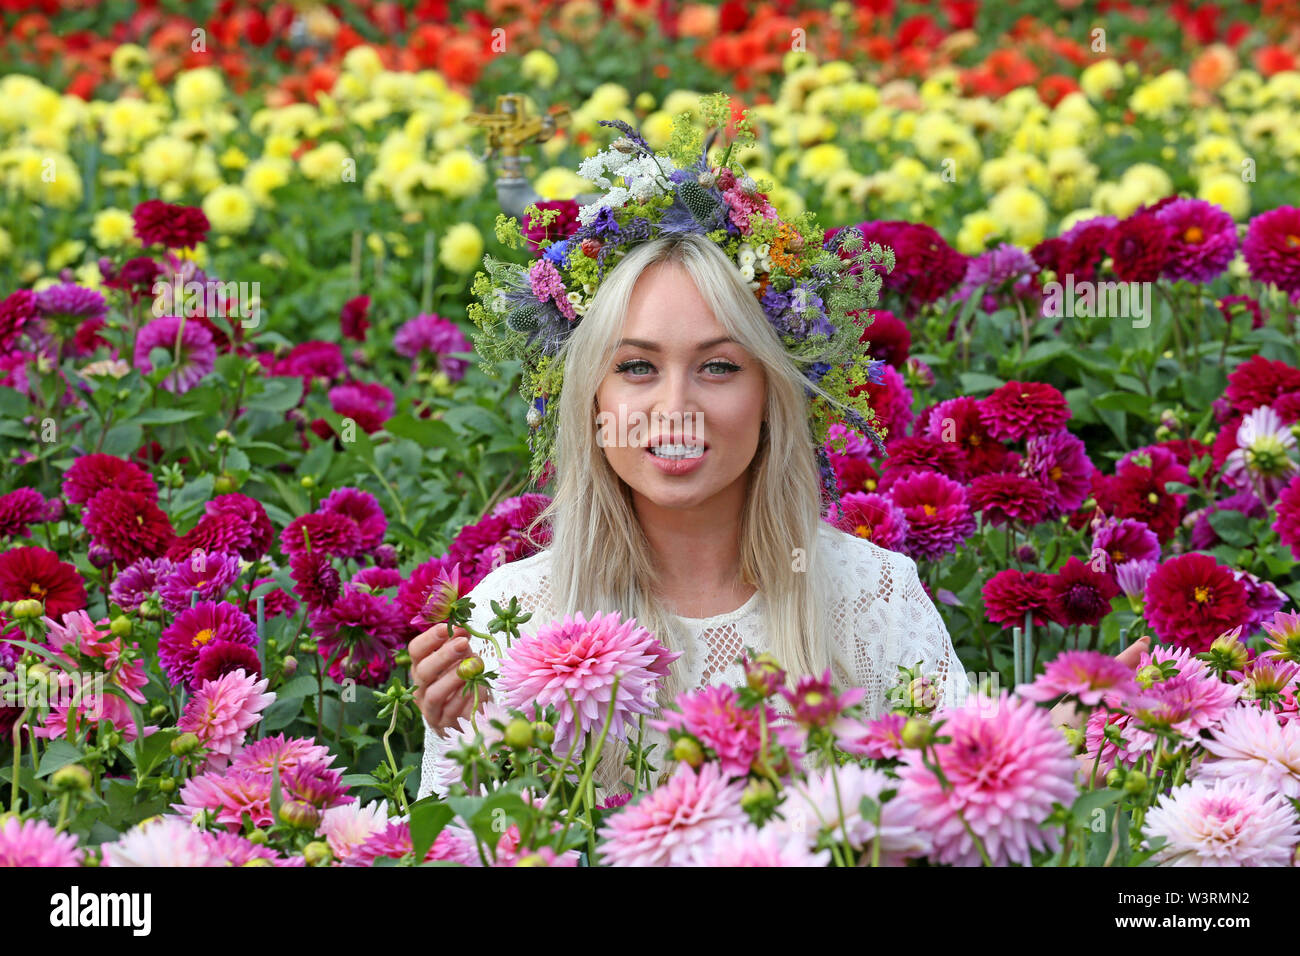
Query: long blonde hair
(600, 558)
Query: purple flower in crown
(557, 252)
(547, 285)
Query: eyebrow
(653, 347)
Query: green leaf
(59, 754)
(1091, 800)
(1232, 526)
(279, 393)
(428, 818)
(122, 440)
(164, 416)
(426, 432)
(152, 750)
(972, 382)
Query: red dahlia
(1258, 381)
(27, 573)
(1009, 595)
(91, 474)
(1080, 595)
(176, 227)
(129, 524)
(1192, 599)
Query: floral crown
(810, 294)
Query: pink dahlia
(436, 337)
(266, 752)
(879, 739)
(197, 353)
(1287, 524)
(369, 404)
(348, 825)
(1228, 823)
(1088, 676)
(1251, 743)
(1192, 599)
(236, 850)
(665, 824)
(1010, 595)
(872, 517)
(813, 809)
(161, 841)
(36, 843)
(938, 516)
(1122, 540)
(1272, 248)
(1023, 410)
(228, 795)
(713, 716)
(1006, 765)
(220, 713)
(394, 842)
(446, 772)
(750, 846)
(206, 622)
(583, 657)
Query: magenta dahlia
(1203, 239)
(1005, 498)
(197, 354)
(1024, 410)
(207, 621)
(938, 516)
(872, 517)
(1272, 248)
(1192, 599)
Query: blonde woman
(715, 544)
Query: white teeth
(677, 451)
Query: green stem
(18, 753)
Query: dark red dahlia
(1192, 599)
(1024, 409)
(334, 534)
(562, 227)
(890, 339)
(353, 318)
(854, 474)
(369, 404)
(1258, 381)
(34, 573)
(1139, 247)
(1009, 595)
(250, 511)
(958, 420)
(362, 508)
(1137, 490)
(1080, 595)
(129, 524)
(176, 227)
(361, 632)
(223, 657)
(315, 578)
(16, 310)
(891, 400)
(221, 533)
(1003, 498)
(91, 474)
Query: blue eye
(631, 363)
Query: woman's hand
(438, 688)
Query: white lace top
(880, 619)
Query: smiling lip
(682, 466)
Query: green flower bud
(185, 744)
(157, 711)
(470, 668)
(1135, 783)
(1074, 736)
(225, 483)
(1151, 674)
(543, 733)
(258, 861)
(290, 665)
(308, 646)
(38, 672)
(151, 609)
(113, 740)
(519, 734)
(317, 853)
(74, 778)
(1115, 778)
(1227, 653)
(916, 733)
(167, 784)
(403, 658)
(759, 794)
(224, 437)
(307, 481)
(688, 751)
(27, 609)
(258, 837)
(300, 814)
(121, 626)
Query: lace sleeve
(929, 641)
(882, 619)
(510, 580)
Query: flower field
(250, 451)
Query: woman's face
(677, 379)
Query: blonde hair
(600, 558)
